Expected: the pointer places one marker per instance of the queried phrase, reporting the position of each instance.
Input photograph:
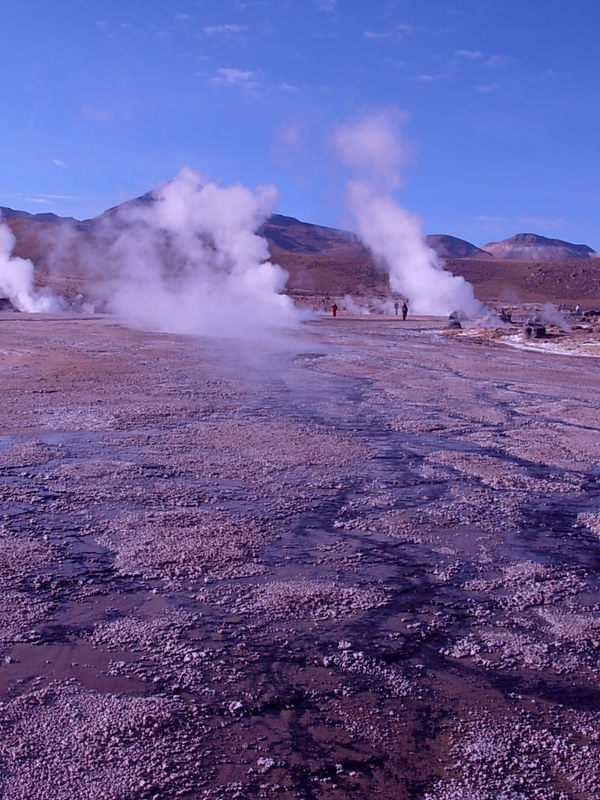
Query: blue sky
(103, 101)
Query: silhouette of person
(334, 309)
(404, 310)
(396, 306)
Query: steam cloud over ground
(372, 146)
(16, 279)
(187, 259)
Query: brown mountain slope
(292, 235)
(453, 247)
(320, 261)
(557, 281)
(531, 246)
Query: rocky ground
(361, 563)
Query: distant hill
(33, 232)
(289, 233)
(292, 235)
(452, 247)
(531, 246)
(328, 261)
(10, 214)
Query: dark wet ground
(363, 565)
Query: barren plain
(359, 562)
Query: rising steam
(373, 147)
(16, 279)
(186, 259)
(552, 316)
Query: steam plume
(16, 279)
(187, 259)
(373, 147)
(552, 316)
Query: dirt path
(361, 563)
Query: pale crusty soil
(362, 563)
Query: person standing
(396, 307)
(334, 308)
(404, 310)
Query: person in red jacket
(334, 309)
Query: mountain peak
(452, 247)
(533, 246)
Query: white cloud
(493, 61)
(489, 220)
(287, 87)
(182, 17)
(397, 32)
(43, 199)
(427, 77)
(326, 5)
(238, 78)
(496, 60)
(493, 224)
(472, 55)
(59, 163)
(487, 88)
(228, 29)
(541, 223)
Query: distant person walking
(404, 310)
(396, 307)
(334, 309)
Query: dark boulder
(454, 321)
(534, 329)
